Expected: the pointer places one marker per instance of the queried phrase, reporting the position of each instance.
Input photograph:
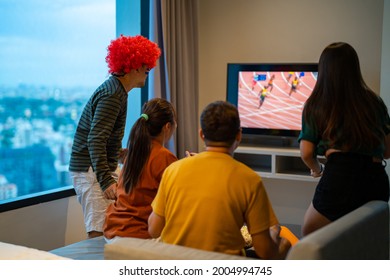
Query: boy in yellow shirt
(204, 200)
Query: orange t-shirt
(128, 215)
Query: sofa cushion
(361, 234)
(17, 252)
(149, 249)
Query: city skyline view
(52, 58)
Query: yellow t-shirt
(207, 198)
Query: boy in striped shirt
(98, 139)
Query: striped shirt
(98, 138)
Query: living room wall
(283, 31)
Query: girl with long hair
(144, 164)
(345, 121)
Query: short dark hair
(220, 122)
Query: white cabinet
(278, 163)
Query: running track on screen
(279, 110)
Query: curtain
(174, 28)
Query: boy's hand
(110, 192)
(189, 154)
(274, 231)
(122, 155)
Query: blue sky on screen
(59, 43)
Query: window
(52, 58)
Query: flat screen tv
(270, 96)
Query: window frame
(68, 191)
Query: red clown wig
(126, 53)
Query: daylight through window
(52, 57)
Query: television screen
(270, 97)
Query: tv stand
(272, 162)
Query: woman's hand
(319, 173)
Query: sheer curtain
(174, 27)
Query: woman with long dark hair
(345, 121)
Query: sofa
(362, 234)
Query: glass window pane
(128, 23)
(52, 58)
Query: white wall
(385, 66)
(44, 226)
(283, 31)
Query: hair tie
(145, 116)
